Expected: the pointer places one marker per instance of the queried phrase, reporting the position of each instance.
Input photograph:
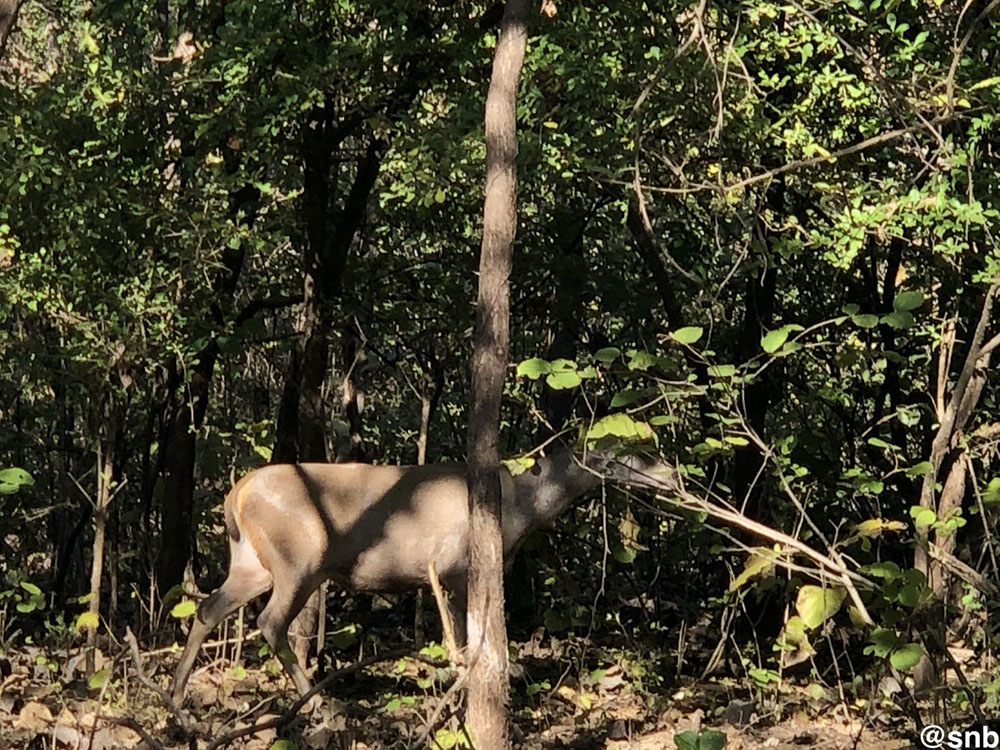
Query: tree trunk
(303, 417)
(106, 481)
(488, 687)
(8, 17)
(177, 531)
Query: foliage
(756, 239)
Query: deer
(376, 529)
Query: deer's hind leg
(246, 580)
(287, 600)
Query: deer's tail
(232, 528)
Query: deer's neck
(546, 490)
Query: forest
(681, 313)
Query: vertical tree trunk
(303, 418)
(8, 16)
(488, 688)
(106, 435)
(177, 531)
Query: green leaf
(533, 368)
(283, 745)
(642, 360)
(608, 354)
(686, 740)
(794, 631)
(874, 527)
(906, 301)
(561, 381)
(774, 340)
(918, 470)
(687, 335)
(87, 620)
(518, 465)
(184, 608)
(900, 319)
(908, 415)
(722, 371)
(904, 659)
(761, 561)
(31, 588)
(887, 570)
(865, 321)
(991, 495)
(99, 679)
(16, 478)
(626, 397)
(985, 83)
(815, 605)
(620, 426)
(883, 641)
(344, 637)
(711, 739)
(923, 518)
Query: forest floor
(45, 703)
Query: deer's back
(372, 528)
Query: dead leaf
(35, 716)
(88, 720)
(69, 736)
(612, 678)
(124, 737)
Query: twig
(182, 717)
(442, 605)
(681, 498)
(207, 644)
(875, 140)
(292, 711)
(135, 726)
(965, 572)
(957, 54)
(431, 724)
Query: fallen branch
(293, 710)
(963, 571)
(183, 719)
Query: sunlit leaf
(904, 659)
(87, 620)
(99, 679)
(533, 368)
(184, 608)
(687, 335)
(816, 604)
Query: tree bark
(106, 435)
(488, 687)
(177, 529)
(303, 417)
(8, 17)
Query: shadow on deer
(376, 529)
